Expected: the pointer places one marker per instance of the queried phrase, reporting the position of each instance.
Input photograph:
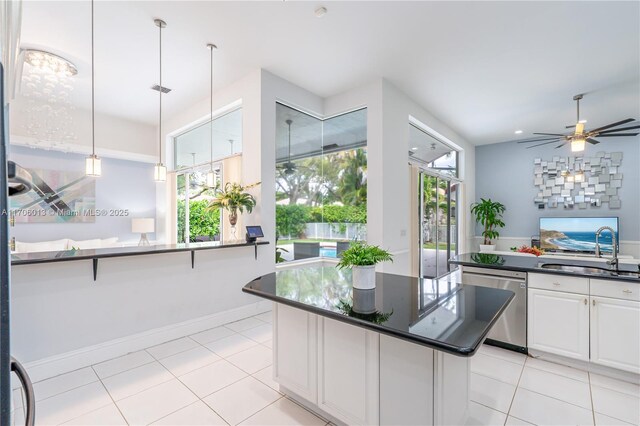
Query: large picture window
(193, 152)
(321, 182)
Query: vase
(487, 247)
(233, 217)
(363, 277)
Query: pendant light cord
(211, 108)
(93, 107)
(160, 92)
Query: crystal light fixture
(93, 164)
(160, 170)
(211, 176)
(50, 63)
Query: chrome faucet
(614, 260)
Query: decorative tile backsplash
(578, 182)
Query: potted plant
(488, 214)
(233, 199)
(362, 259)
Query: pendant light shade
(160, 170)
(211, 176)
(93, 165)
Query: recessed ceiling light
(518, 132)
(321, 11)
(415, 148)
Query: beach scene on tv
(577, 234)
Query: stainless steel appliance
(510, 331)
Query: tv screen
(576, 234)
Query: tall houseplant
(488, 214)
(362, 259)
(234, 199)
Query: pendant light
(211, 176)
(160, 170)
(93, 164)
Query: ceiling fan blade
(535, 140)
(549, 134)
(608, 126)
(546, 143)
(621, 129)
(592, 141)
(560, 146)
(570, 127)
(618, 134)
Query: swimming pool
(327, 252)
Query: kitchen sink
(588, 270)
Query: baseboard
(625, 376)
(84, 357)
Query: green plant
(291, 220)
(233, 199)
(361, 254)
(489, 214)
(202, 220)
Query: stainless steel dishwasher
(510, 331)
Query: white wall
(389, 187)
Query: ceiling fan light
(577, 145)
(579, 128)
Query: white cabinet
(615, 333)
(348, 372)
(558, 323)
(295, 350)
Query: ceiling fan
(289, 167)
(580, 136)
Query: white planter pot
(487, 247)
(364, 277)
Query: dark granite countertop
(534, 264)
(440, 314)
(102, 253)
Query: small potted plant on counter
(488, 213)
(362, 259)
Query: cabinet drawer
(615, 289)
(559, 283)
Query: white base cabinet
(592, 320)
(360, 377)
(559, 323)
(615, 333)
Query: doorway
(438, 201)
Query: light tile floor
(223, 376)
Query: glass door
(196, 221)
(438, 223)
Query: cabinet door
(615, 333)
(348, 372)
(295, 351)
(558, 323)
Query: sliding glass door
(438, 223)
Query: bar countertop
(102, 253)
(441, 314)
(577, 267)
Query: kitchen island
(398, 354)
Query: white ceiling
(484, 68)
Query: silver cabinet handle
(556, 283)
(585, 301)
(627, 291)
(17, 368)
(593, 302)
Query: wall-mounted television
(577, 234)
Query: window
(194, 146)
(321, 182)
(193, 152)
(431, 152)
